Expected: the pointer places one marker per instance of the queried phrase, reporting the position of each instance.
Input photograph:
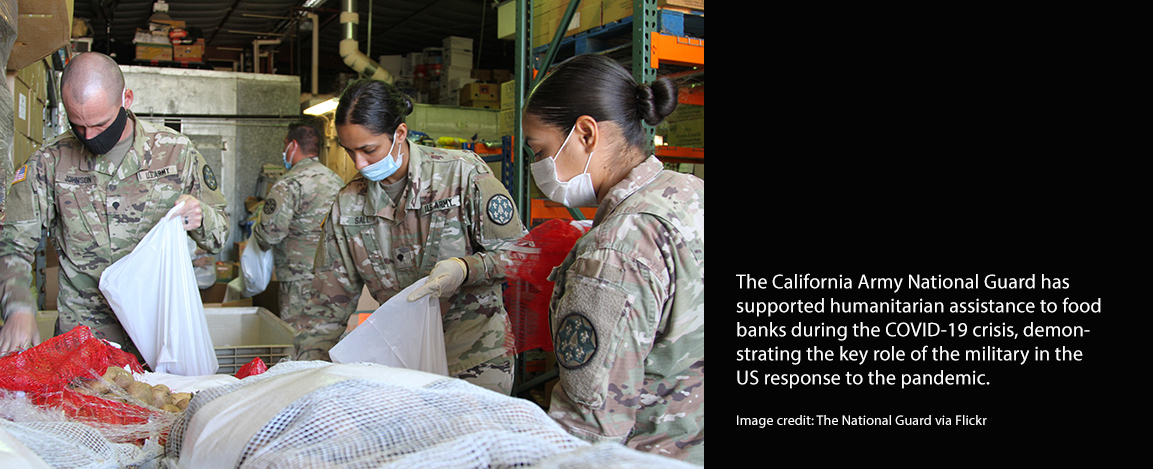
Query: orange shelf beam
(676, 50)
(544, 209)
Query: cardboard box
(508, 95)
(51, 287)
(481, 103)
(42, 27)
(189, 52)
(480, 92)
(219, 296)
(458, 44)
(689, 133)
(507, 123)
(686, 4)
(225, 270)
(145, 51)
(453, 58)
(240, 334)
(457, 75)
(615, 10)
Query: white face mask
(576, 192)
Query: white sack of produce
(154, 294)
(324, 415)
(401, 333)
(255, 268)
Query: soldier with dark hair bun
(414, 211)
(627, 311)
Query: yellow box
(507, 124)
(508, 95)
(615, 10)
(480, 92)
(146, 51)
(687, 4)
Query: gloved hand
(20, 331)
(445, 278)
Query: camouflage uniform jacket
(453, 206)
(292, 214)
(97, 214)
(627, 317)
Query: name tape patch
(442, 204)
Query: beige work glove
(446, 277)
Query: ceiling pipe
(350, 48)
(256, 53)
(315, 51)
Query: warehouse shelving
(652, 42)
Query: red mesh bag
(254, 367)
(529, 290)
(45, 372)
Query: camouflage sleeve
(276, 216)
(496, 227)
(604, 326)
(203, 184)
(336, 288)
(29, 208)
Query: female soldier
(414, 212)
(627, 311)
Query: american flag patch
(20, 174)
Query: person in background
(290, 221)
(97, 190)
(627, 309)
(414, 211)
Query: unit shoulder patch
(575, 341)
(500, 209)
(209, 177)
(269, 205)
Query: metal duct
(350, 48)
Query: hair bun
(657, 100)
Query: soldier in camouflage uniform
(292, 215)
(627, 310)
(98, 190)
(435, 212)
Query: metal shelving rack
(657, 46)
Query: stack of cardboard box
(457, 69)
(29, 103)
(507, 123)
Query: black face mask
(107, 139)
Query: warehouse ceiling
(229, 28)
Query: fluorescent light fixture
(321, 108)
(313, 3)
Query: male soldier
(98, 190)
(292, 215)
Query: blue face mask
(386, 167)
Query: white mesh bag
(319, 414)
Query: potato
(124, 381)
(142, 391)
(112, 371)
(96, 386)
(182, 404)
(161, 397)
(171, 408)
(177, 396)
(162, 387)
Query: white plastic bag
(400, 334)
(255, 268)
(154, 294)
